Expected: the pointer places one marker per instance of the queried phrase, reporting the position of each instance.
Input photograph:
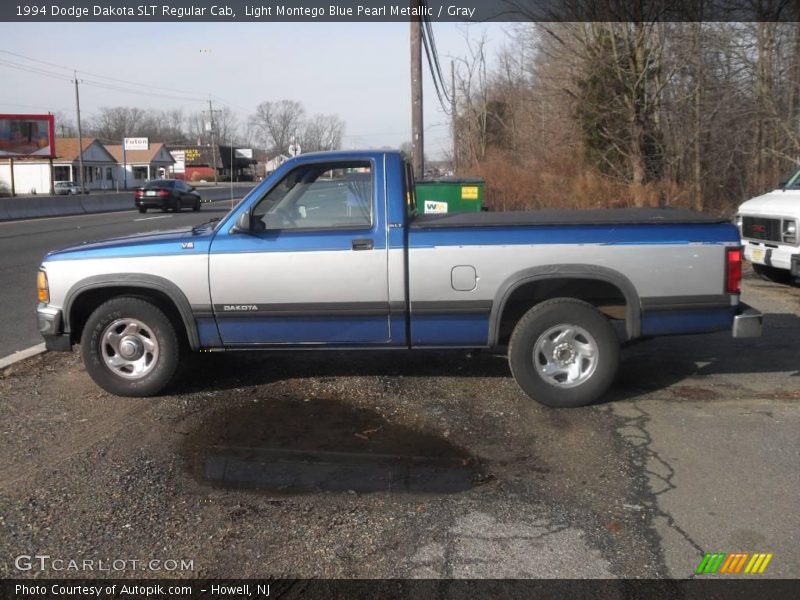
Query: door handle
(365, 244)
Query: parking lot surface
(426, 464)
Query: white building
(137, 166)
(33, 175)
(274, 163)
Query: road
(420, 464)
(24, 243)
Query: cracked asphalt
(419, 465)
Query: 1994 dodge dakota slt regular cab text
(329, 252)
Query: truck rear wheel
(130, 347)
(564, 353)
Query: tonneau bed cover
(608, 216)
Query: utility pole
(213, 152)
(417, 141)
(80, 135)
(453, 108)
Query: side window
(320, 196)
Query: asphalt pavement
(23, 244)
(417, 464)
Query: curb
(20, 355)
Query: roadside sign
(136, 143)
(179, 156)
(27, 135)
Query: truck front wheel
(130, 347)
(564, 353)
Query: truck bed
(610, 216)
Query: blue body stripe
(303, 330)
(687, 321)
(450, 330)
(207, 332)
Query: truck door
(314, 268)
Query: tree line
(703, 115)
(273, 127)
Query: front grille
(761, 228)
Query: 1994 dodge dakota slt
(329, 252)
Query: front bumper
(775, 255)
(748, 322)
(51, 328)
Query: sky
(359, 71)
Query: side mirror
(243, 223)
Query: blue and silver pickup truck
(329, 252)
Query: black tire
(142, 209)
(772, 274)
(157, 326)
(549, 316)
(196, 206)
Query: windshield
(793, 182)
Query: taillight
(733, 270)
(163, 193)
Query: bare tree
(65, 125)
(278, 123)
(321, 132)
(114, 123)
(226, 125)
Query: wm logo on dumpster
(738, 562)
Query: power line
(34, 70)
(426, 45)
(435, 52)
(99, 84)
(97, 75)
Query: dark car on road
(167, 194)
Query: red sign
(27, 136)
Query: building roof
(67, 148)
(136, 156)
(67, 152)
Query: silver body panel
(655, 270)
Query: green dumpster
(449, 194)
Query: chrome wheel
(565, 355)
(129, 348)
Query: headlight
(42, 288)
(789, 232)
